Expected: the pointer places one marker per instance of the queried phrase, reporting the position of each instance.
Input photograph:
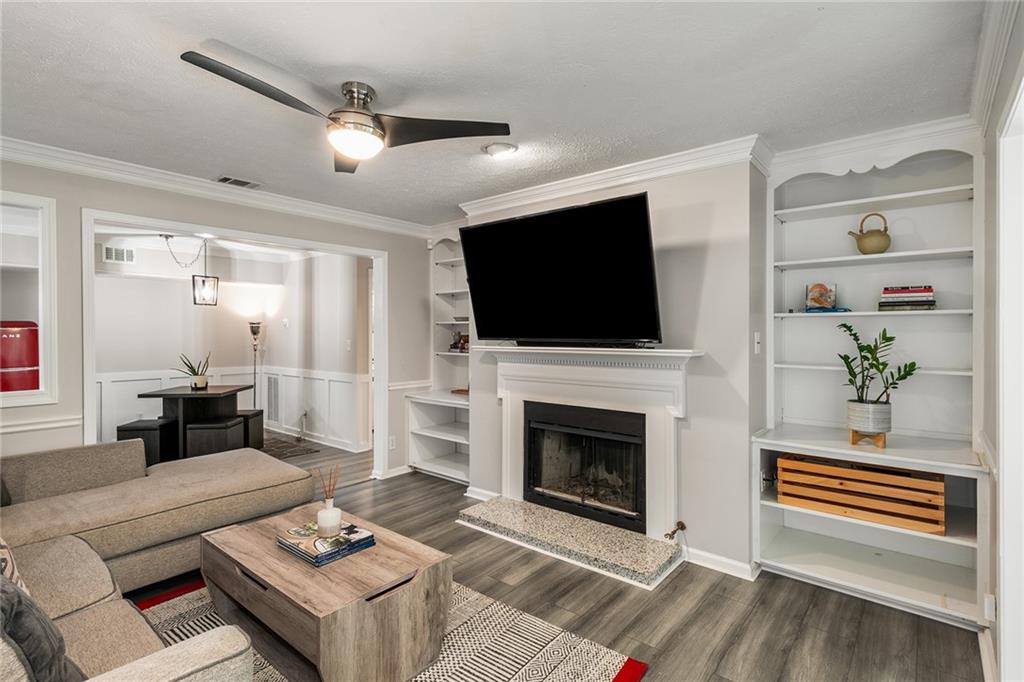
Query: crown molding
(68, 161)
(878, 150)
(710, 156)
(997, 24)
(447, 230)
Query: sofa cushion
(175, 500)
(37, 475)
(107, 636)
(32, 637)
(65, 575)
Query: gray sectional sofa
(143, 522)
(85, 524)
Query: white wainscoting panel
(335, 404)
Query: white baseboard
(720, 563)
(341, 444)
(390, 473)
(989, 662)
(481, 494)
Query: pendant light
(204, 286)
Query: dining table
(187, 405)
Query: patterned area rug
(485, 640)
(283, 448)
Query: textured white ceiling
(584, 86)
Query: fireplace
(586, 461)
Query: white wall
(1011, 658)
(702, 225)
(48, 426)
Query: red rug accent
(632, 670)
(170, 594)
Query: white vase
(869, 417)
(328, 520)
(199, 382)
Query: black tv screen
(581, 275)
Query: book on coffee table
(304, 543)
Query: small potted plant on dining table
(869, 415)
(195, 371)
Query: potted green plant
(870, 413)
(197, 371)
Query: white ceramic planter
(199, 382)
(869, 417)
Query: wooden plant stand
(877, 438)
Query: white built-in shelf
(937, 455)
(951, 372)
(874, 572)
(960, 522)
(442, 396)
(454, 466)
(452, 323)
(453, 292)
(888, 257)
(450, 262)
(926, 197)
(453, 432)
(880, 313)
(451, 353)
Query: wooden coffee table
(379, 614)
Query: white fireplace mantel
(647, 381)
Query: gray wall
(408, 285)
(702, 223)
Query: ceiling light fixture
(500, 150)
(356, 139)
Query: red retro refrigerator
(19, 356)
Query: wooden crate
(893, 497)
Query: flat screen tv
(576, 276)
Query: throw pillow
(7, 567)
(34, 636)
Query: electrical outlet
(392, 442)
(348, 344)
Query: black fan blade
(399, 130)
(247, 81)
(343, 164)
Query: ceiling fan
(355, 132)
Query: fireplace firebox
(586, 461)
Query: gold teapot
(872, 241)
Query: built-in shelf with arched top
(926, 195)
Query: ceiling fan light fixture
(355, 140)
(500, 150)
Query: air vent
(237, 182)
(116, 254)
(272, 400)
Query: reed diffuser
(328, 519)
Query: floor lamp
(254, 329)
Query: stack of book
(911, 297)
(316, 551)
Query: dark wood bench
(253, 428)
(159, 436)
(214, 435)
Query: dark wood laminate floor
(355, 466)
(698, 624)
